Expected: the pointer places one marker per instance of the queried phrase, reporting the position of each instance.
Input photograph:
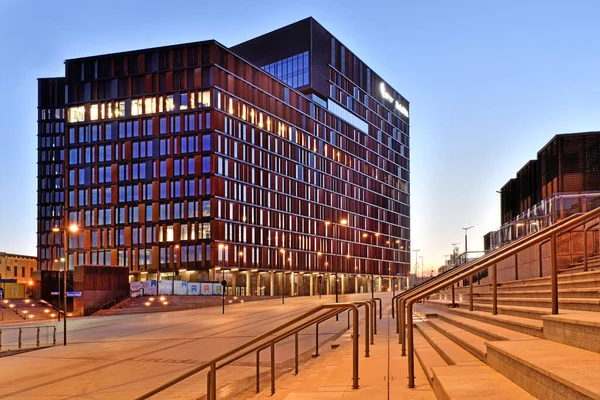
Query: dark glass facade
(171, 152)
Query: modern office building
(285, 153)
(564, 179)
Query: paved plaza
(121, 357)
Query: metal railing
(490, 260)
(19, 336)
(277, 334)
(103, 305)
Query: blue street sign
(8, 281)
(69, 294)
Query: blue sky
(489, 82)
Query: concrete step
(532, 327)
(585, 304)
(576, 284)
(451, 352)
(428, 356)
(518, 311)
(526, 292)
(478, 327)
(562, 278)
(474, 382)
(548, 370)
(474, 344)
(576, 328)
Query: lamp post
(62, 259)
(422, 266)
(282, 251)
(466, 229)
(416, 261)
(222, 247)
(73, 228)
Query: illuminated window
(169, 104)
(150, 105)
(169, 233)
(77, 114)
(136, 107)
(94, 112)
(119, 109)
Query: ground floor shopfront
(289, 283)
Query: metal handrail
(512, 249)
(108, 304)
(401, 298)
(20, 336)
(401, 321)
(212, 364)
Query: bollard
(54, 337)
(0, 339)
(20, 336)
(37, 339)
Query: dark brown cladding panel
(51, 92)
(277, 45)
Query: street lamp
(416, 262)
(466, 229)
(222, 247)
(73, 228)
(62, 259)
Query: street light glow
(344, 221)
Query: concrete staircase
(523, 351)
(22, 310)
(152, 304)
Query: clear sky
(489, 83)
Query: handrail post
(453, 305)
(554, 278)
(296, 353)
(213, 381)
(37, 339)
(585, 253)
(471, 293)
(20, 336)
(516, 266)
(258, 371)
(317, 340)
(393, 302)
(355, 349)
(541, 271)
(411, 359)
(494, 290)
(367, 333)
(0, 339)
(208, 386)
(349, 319)
(374, 316)
(54, 337)
(401, 336)
(272, 367)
